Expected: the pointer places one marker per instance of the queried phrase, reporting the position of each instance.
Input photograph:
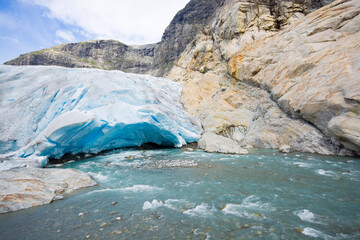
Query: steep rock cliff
(247, 110)
(182, 31)
(312, 70)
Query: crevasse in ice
(46, 112)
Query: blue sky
(30, 25)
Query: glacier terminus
(48, 111)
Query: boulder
(30, 187)
(212, 142)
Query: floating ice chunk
(55, 110)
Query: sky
(30, 25)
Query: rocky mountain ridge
(155, 59)
(103, 54)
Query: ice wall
(50, 111)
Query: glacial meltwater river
(141, 195)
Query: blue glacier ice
(46, 112)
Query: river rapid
(184, 194)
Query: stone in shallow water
(285, 149)
(30, 187)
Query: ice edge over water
(50, 111)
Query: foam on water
(99, 177)
(306, 215)
(326, 173)
(202, 210)
(134, 189)
(249, 208)
(315, 233)
(174, 204)
(104, 190)
(142, 188)
(302, 164)
(152, 205)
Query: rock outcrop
(182, 30)
(241, 110)
(30, 187)
(212, 142)
(312, 71)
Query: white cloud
(65, 35)
(7, 21)
(13, 39)
(130, 21)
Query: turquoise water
(264, 195)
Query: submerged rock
(30, 187)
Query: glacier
(48, 111)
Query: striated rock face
(312, 70)
(103, 54)
(30, 187)
(182, 31)
(236, 109)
